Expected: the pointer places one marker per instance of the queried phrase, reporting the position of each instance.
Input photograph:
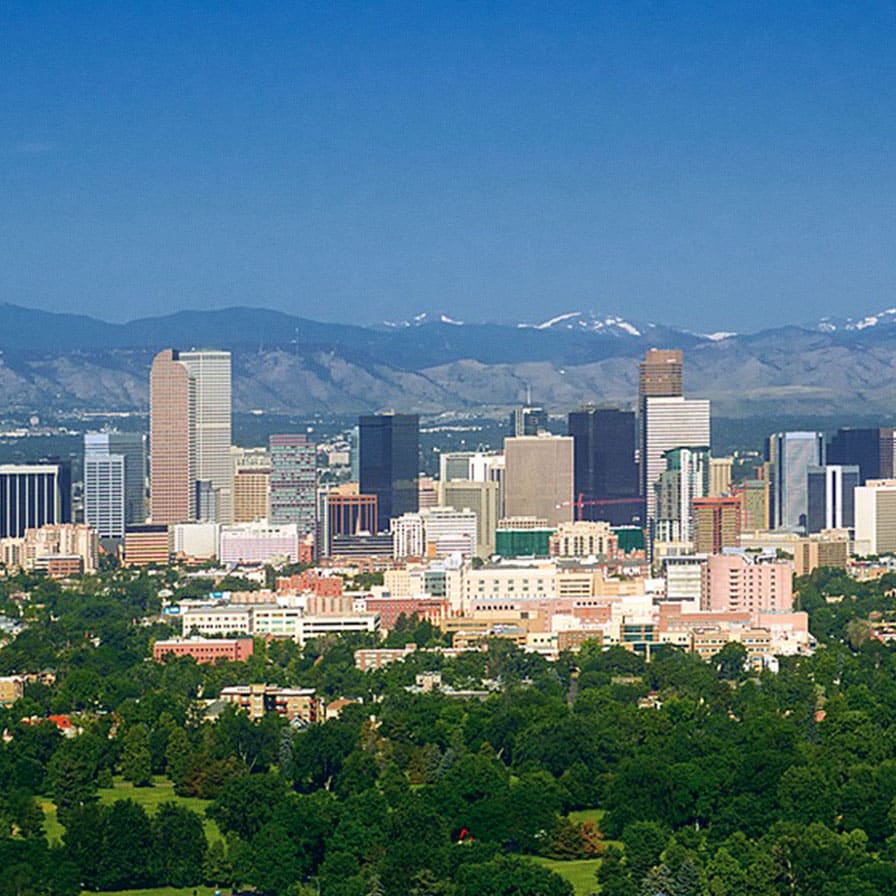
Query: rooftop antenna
(528, 394)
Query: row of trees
(724, 782)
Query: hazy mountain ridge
(287, 363)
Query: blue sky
(727, 165)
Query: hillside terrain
(289, 364)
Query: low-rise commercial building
(296, 704)
(205, 650)
(12, 688)
(146, 545)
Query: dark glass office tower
(33, 495)
(528, 421)
(389, 449)
(831, 497)
(604, 466)
(873, 451)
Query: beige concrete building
(251, 484)
(828, 548)
(584, 539)
(296, 704)
(754, 496)
(538, 477)
(660, 373)
(12, 688)
(720, 470)
(39, 548)
(147, 545)
(510, 581)
(484, 499)
(875, 507)
(716, 523)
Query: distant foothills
(284, 363)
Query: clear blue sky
(708, 165)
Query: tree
(82, 839)
(506, 876)
(124, 847)
(177, 754)
(178, 847)
(30, 868)
(658, 882)
(72, 780)
(612, 875)
(246, 804)
(724, 874)
(217, 869)
(644, 843)
(687, 879)
(136, 759)
(858, 632)
(731, 660)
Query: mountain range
(434, 362)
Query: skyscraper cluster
(645, 469)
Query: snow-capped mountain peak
(589, 322)
(887, 317)
(425, 317)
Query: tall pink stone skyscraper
(172, 434)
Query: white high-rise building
(210, 370)
(671, 422)
(449, 531)
(131, 446)
(104, 499)
(435, 531)
(407, 536)
(875, 508)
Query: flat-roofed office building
(33, 495)
(538, 477)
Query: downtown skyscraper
(791, 455)
(114, 481)
(294, 482)
(389, 463)
(191, 475)
(605, 470)
(669, 423)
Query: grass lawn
(51, 822)
(157, 891)
(579, 872)
(150, 798)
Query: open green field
(579, 872)
(150, 798)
